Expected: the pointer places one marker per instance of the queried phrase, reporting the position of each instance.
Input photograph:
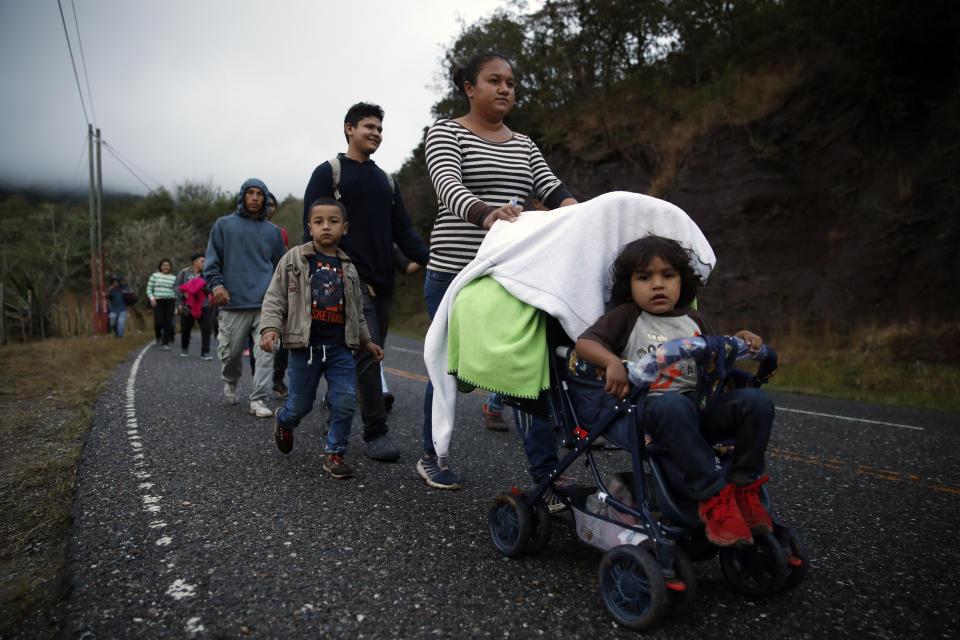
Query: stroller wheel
(632, 586)
(542, 528)
(683, 601)
(797, 560)
(757, 570)
(510, 523)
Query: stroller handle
(702, 349)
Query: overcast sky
(215, 90)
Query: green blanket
(497, 342)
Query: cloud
(215, 90)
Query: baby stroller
(650, 535)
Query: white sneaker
(260, 409)
(230, 393)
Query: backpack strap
(335, 177)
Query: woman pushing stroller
(654, 285)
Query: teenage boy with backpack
(378, 219)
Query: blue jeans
(495, 402)
(686, 438)
(539, 441)
(306, 366)
(118, 321)
(435, 284)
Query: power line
(73, 62)
(81, 164)
(118, 156)
(83, 61)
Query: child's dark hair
(470, 71)
(196, 255)
(328, 202)
(358, 112)
(638, 254)
(162, 260)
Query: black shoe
(388, 401)
(334, 464)
(280, 389)
(382, 449)
(283, 437)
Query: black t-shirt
(326, 292)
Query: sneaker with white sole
(230, 393)
(435, 475)
(553, 501)
(260, 409)
(334, 464)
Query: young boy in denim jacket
(314, 302)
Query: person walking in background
(163, 301)
(481, 170)
(195, 306)
(242, 252)
(378, 219)
(117, 296)
(281, 354)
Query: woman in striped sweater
(163, 299)
(481, 171)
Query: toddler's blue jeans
(686, 437)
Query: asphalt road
(189, 523)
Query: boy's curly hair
(637, 254)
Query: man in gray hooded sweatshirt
(242, 253)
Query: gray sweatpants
(235, 327)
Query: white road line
(811, 413)
(179, 589)
(836, 417)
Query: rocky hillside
(819, 211)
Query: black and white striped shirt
(472, 177)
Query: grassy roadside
(907, 365)
(47, 391)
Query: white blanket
(558, 261)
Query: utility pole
(94, 294)
(102, 324)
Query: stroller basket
(603, 534)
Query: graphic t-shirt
(648, 334)
(326, 292)
(631, 333)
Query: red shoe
(494, 419)
(748, 501)
(724, 523)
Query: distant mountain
(37, 194)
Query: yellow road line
(859, 469)
(416, 376)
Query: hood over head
(252, 182)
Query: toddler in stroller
(686, 499)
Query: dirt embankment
(820, 211)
